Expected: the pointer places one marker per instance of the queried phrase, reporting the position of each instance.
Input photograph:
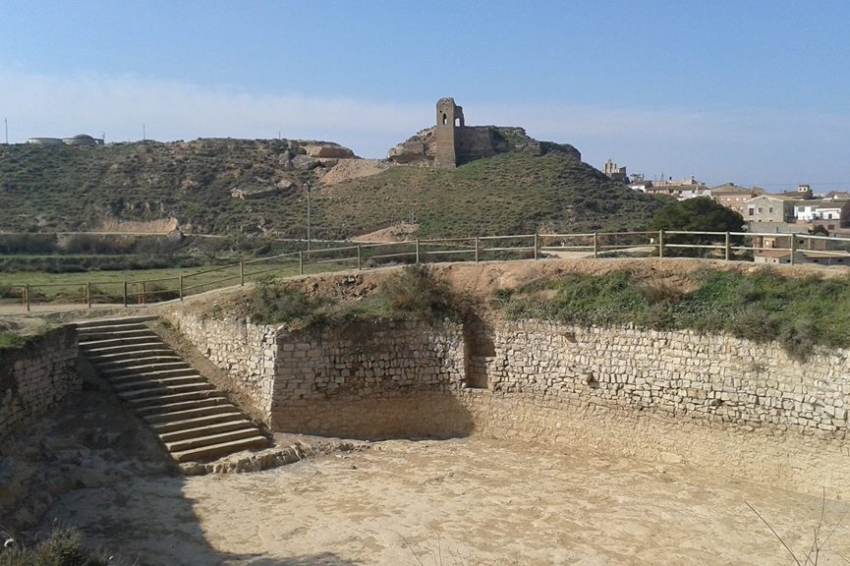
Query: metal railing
(729, 246)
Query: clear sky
(749, 91)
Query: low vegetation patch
(412, 293)
(11, 340)
(763, 305)
(63, 547)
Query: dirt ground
(466, 501)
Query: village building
(768, 208)
(733, 197)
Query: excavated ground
(472, 501)
(466, 501)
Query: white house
(813, 210)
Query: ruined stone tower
(449, 120)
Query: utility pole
(6, 123)
(308, 215)
(144, 132)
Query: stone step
(112, 333)
(153, 375)
(186, 410)
(187, 404)
(210, 439)
(127, 366)
(113, 340)
(148, 346)
(112, 322)
(194, 422)
(167, 395)
(149, 389)
(223, 449)
(206, 430)
(137, 384)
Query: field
(146, 285)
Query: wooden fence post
(417, 250)
(536, 245)
(181, 287)
(359, 258)
(27, 296)
(661, 243)
(125, 294)
(88, 294)
(241, 273)
(595, 245)
(793, 247)
(728, 246)
(477, 244)
(300, 263)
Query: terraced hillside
(78, 188)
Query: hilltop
(223, 186)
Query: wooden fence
(729, 246)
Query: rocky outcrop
(326, 149)
(262, 192)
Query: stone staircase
(193, 420)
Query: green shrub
(761, 306)
(274, 304)
(412, 293)
(63, 547)
(12, 340)
(415, 293)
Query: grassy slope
(507, 194)
(72, 188)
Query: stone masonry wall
(714, 401)
(246, 351)
(334, 384)
(710, 378)
(37, 377)
(738, 408)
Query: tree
(696, 215)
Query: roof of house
(777, 228)
(776, 254)
(823, 203)
(837, 195)
(784, 198)
(818, 254)
(733, 189)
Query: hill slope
(79, 188)
(510, 193)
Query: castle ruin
(450, 126)
(451, 142)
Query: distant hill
(222, 186)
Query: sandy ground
(466, 501)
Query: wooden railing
(729, 246)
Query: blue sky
(755, 92)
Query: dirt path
(470, 501)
